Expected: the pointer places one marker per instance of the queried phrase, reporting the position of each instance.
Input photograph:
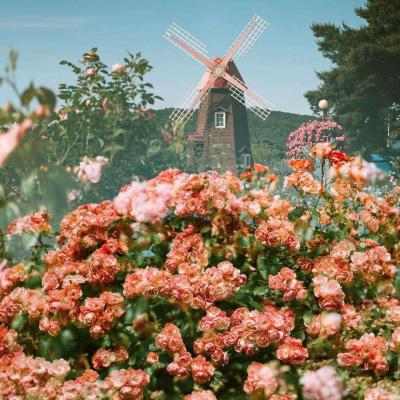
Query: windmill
(222, 128)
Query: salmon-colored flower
(329, 293)
(292, 351)
(302, 165)
(304, 181)
(152, 358)
(368, 351)
(325, 324)
(286, 281)
(37, 222)
(261, 378)
(201, 395)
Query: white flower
(119, 68)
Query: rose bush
(206, 286)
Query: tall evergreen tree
(363, 85)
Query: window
(245, 160)
(220, 119)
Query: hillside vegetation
(268, 137)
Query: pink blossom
(368, 351)
(10, 140)
(292, 351)
(395, 341)
(329, 293)
(260, 378)
(286, 281)
(311, 133)
(73, 194)
(325, 324)
(379, 394)
(90, 72)
(89, 170)
(322, 384)
(37, 222)
(201, 395)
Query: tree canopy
(363, 84)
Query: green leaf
(46, 97)
(296, 213)
(244, 242)
(50, 348)
(261, 290)
(19, 321)
(28, 94)
(397, 284)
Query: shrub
(103, 115)
(211, 286)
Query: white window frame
(245, 160)
(216, 115)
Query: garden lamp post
(323, 106)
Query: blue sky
(281, 66)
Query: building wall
(221, 145)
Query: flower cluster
(286, 281)
(323, 384)
(248, 331)
(37, 222)
(192, 286)
(89, 169)
(170, 339)
(99, 313)
(368, 351)
(311, 133)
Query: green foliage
(363, 85)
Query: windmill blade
(247, 38)
(188, 43)
(190, 101)
(256, 103)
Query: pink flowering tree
(211, 286)
(311, 133)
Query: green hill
(268, 137)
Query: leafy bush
(104, 114)
(211, 286)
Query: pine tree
(363, 85)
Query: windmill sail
(248, 37)
(189, 102)
(182, 39)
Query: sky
(281, 66)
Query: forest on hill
(268, 138)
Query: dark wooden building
(221, 141)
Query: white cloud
(18, 23)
